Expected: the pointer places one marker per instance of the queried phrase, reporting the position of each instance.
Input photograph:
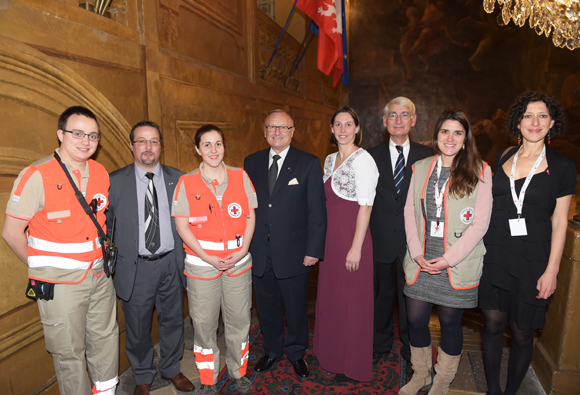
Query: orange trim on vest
(449, 269)
(239, 274)
(70, 282)
(210, 224)
(202, 278)
(422, 198)
(454, 287)
(62, 225)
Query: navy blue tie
(399, 169)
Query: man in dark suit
(288, 240)
(150, 262)
(394, 159)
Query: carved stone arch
(34, 90)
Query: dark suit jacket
(123, 205)
(294, 216)
(387, 220)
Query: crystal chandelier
(545, 16)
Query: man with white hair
(394, 159)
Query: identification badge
(437, 230)
(518, 227)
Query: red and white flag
(327, 14)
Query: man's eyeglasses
(154, 143)
(282, 129)
(79, 135)
(404, 116)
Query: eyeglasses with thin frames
(282, 129)
(403, 116)
(154, 143)
(79, 135)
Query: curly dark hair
(467, 163)
(517, 110)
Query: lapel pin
(59, 186)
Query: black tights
(520, 356)
(418, 314)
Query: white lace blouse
(355, 179)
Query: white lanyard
(438, 196)
(519, 201)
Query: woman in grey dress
(446, 216)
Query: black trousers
(389, 279)
(273, 297)
(157, 285)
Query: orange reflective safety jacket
(219, 232)
(62, 235)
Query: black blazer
(294, 216)
(123, 205)
(387, 220)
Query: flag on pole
(329, 16)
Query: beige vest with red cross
(459, 215)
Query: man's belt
(154, 257)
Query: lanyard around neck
(519, 201)
(438, 196)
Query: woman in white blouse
(343, 338)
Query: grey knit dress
(436, 288)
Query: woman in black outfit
(524, 247)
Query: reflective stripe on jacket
(219, 231)
(61, 235)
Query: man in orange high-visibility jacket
(62, 250)
(213, 208)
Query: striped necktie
(399, 169)
(152, 236)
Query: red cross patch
(466, 215)
(234, 210)
(101, 201)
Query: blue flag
(344, 48)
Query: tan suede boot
(422, 360)
(445, 370)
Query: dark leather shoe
(142, 389)
(377, 356)
(180, 382)
(300, 368)
(265, 363)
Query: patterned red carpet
(387, 375)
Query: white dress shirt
(280, 161)
(395, 153)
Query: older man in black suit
(394, 159)
(288, 240)
(151, 258)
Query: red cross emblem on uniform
(101, 200)
(234, 210)
(466, 215)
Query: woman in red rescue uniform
(446, 216)
(213, 208)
